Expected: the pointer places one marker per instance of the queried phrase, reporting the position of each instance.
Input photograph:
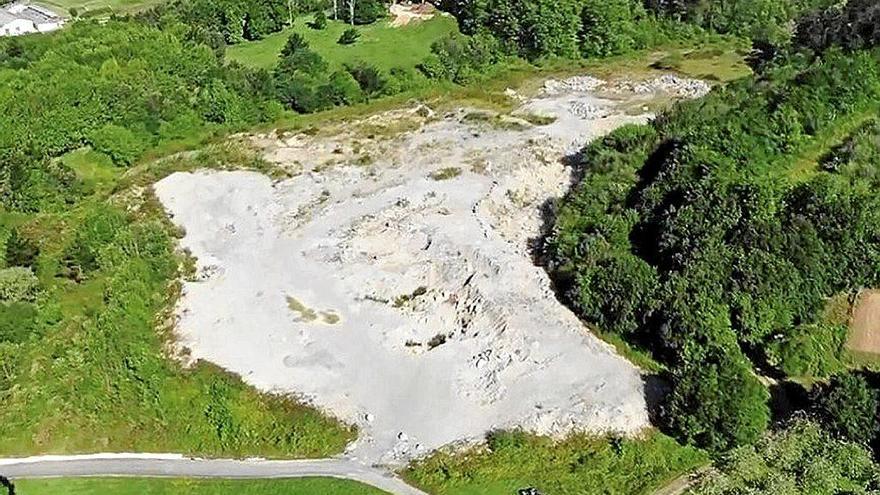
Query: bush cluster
(568, 28)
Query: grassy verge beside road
(579, 464)
(172, 486)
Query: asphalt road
(171, 466)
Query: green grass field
(173, 486)
(380, 44)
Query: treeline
(567, 28)
(593, 28)
(769, 20)
(704, 238)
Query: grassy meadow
(181, 486)
(380, 44)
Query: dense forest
(714, 237)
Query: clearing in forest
(865, 324)
(381, 43)
(446, 328)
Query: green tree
(349, 36)
(295, 43)
(368, 78)
(609, 26)
(320, 21)
(365, 11)
(847, 406)
(342, 89)
(716, 401)
(801, 459)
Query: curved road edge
(175, 465)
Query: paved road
(176, 466)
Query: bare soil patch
(405, 13)
(865, 323)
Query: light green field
(380, 44)
(176, 486)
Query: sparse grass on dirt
(714, 63)
(446, 173)
(380, 44)
(188, 486)
(501, 122)
(580, 464)
(527, 79)
(535, 119)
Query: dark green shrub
(716, 401)
(368, 78)
(349, 36)
(342, 89)
(97, 230)
(320, 21)
(21, 250)
(294, 44)
(847, 407)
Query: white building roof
(28, 12)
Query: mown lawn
(185, 486)
(380, 44)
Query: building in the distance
(23, 18)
